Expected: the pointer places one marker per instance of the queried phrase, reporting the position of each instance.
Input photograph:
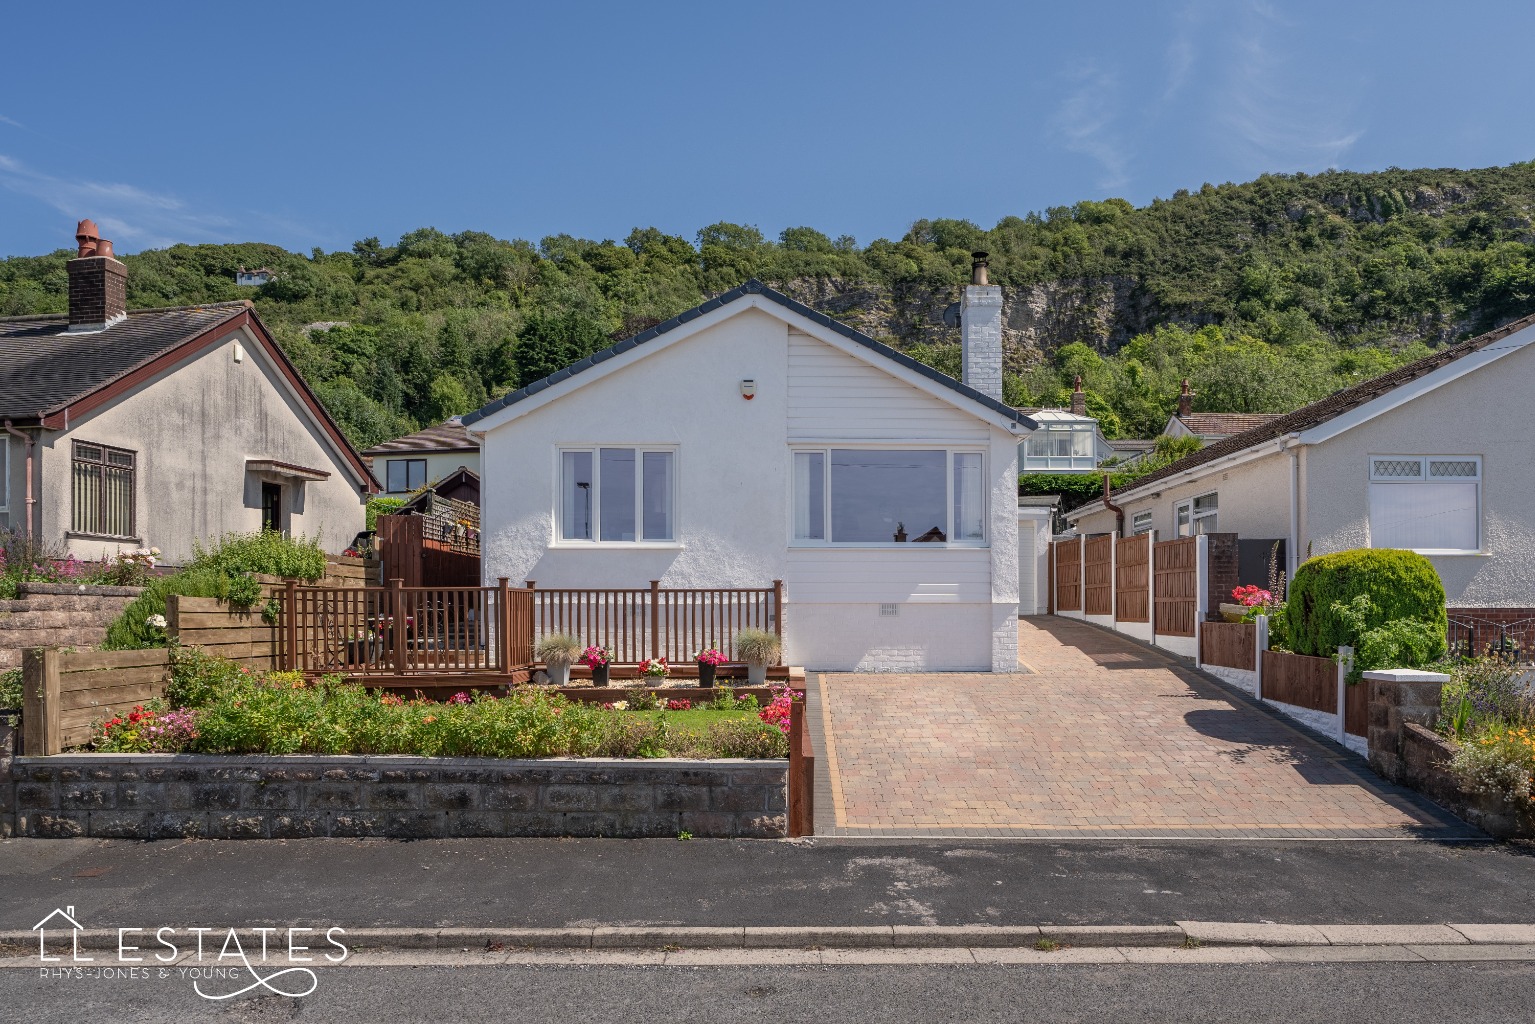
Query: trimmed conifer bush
(1399, 584)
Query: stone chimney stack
(1078, 398)
(1185, 401)
(980, 327)
(98, 283)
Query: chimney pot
(1078, 398)
(98, 283)
(979, 262)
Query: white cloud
(132, 217)
(11, 121)
(1277, 116)
(1085, 123)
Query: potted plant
(759, 649)
(654, 671)
(600, 661)
(708, 660)
(558, 651)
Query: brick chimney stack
(1185, 401)
(1078, 398)
(980, 328)
(98, 283)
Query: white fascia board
(717, 316)
(1404, 393)
(1258, 451)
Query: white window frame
(640, 451)
(5, 476)
(1140, 523)
(1424, 477)
(1187, 505)
(948, 495)
(1061, 463)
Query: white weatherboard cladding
(836, 396)
(733, 496)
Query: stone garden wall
(162, 796)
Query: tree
(547, 344)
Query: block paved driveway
(1097, 737)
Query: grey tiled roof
(752, 287)
(1336, 404)
(44, 368)
(444, 437)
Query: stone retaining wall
(58, 614)
(164, 796)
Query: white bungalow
(753, 439)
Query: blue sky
(319, 123)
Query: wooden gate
(1098, 575)
(418, 560)
(1177, 586)
(1132, 578)
(1068, 575)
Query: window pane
(888, 497)
(1424, 516)
(1206, 503)
(809, 495)
(615, 516)
(397, 475)
(576, 495)
(969, 497)
(657, 495)
(1142, 522)
(417, 475)
(1387, 469)
(1204, 524)
(1181, 520)
(87, 498)
(119, 502)
(1082, 443)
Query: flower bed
(216, 707)
(1487, 713)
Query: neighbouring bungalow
(407, 464)
(1210, 427)
(753, 439)
(1434, 456)
(163, 427)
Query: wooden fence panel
(239, 634)
(1229, 644)
(1068, 575)
(399, 543)
(1356, 709)
(1301, 680)
(1177, 586)
(1098, 575)
(1132, 578)
(65, 693)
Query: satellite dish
(951, 315)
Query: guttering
(1270, 447)
(26, 525)
(1119, 513)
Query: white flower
(155, 621)
(620, 705)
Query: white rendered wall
(193, 428)
(733, 496)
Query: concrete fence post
(1345, 667)
(1151, 584)
(1202, 606)
(1262, 623)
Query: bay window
(617, 494)
(883, 496)
(1426, 503)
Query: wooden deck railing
(433, 631)
(657, 622)
(399, 630)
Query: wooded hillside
(1267, 294)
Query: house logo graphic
(68, 914)
(170, 960)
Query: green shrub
(1399, 584)
(223, 571)
(1398, 643)
(381, 507)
